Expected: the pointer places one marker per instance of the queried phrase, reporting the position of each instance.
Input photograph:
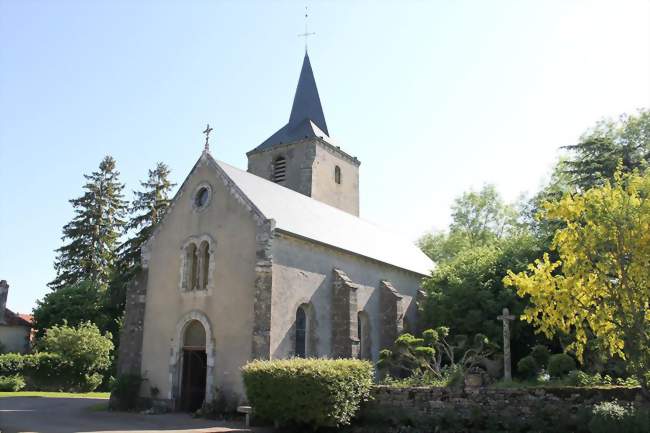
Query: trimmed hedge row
(47, 371)
(308, 392)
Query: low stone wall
(522, 402)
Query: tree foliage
(92, 235)
(600, 284)
(145, 212)
(85, 352)
(595, 158)
(74, 304)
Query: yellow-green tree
(601, 282)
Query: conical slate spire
(307, 119)
(306, 102)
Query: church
(270, 262)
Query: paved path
(76, 415)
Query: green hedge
(11, 363)
(308, 392)
(48, 372)
(12, 383)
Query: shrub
(610, 416)
(84, 353)
(46, 371)
(527, 367)
(559, 365)
(541, 355)
(11, 363)
(12, 383)
(308, 392)
(125, 389)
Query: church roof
(307, 118)
(308, 218)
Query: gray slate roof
(307, 119)
(309, 218)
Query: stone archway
(180, 356)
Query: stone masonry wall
(521, 403)
(130, 351)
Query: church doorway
(194, 370)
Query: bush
(85, 354)
(308, 392)
(610, 416)
(527, 367)
(125, 389)
(12, 383)
(46, 371)
(11, 363)
(541, 355)
(559, 365)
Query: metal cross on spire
(207, 132)
(306, 35)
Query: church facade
(268, 263)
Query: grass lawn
(55, 394)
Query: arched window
(191, 267)
(363, 329)
(279, 169)
(204, 250)
(301, 332)
(337, 174)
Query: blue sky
(434, 98)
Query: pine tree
(93, 233)
(147, 210)
(596, 157)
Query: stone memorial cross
(505, 317)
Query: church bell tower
(301, 155)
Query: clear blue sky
(433, 97)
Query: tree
(85, 352)
(600, 284)
(478, 218)
(467, 293)
(596, 156)
(482, 217)
(73, 304)
(93, 233)
(146, 210)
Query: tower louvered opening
(279, 169)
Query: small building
(269, 263)
(15, 329)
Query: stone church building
(272, 262)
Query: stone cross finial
(505, 318)
(207, 132)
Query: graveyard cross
(505, 317)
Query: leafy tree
(467, 293)
(85, 352)
(74, 304)
(146, 210)
(482, 216)
(478, 219)
(601, 283)
(596, 156)
(93, 233)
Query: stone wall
(511, 403)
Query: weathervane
(306, 35)
(207, 132)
